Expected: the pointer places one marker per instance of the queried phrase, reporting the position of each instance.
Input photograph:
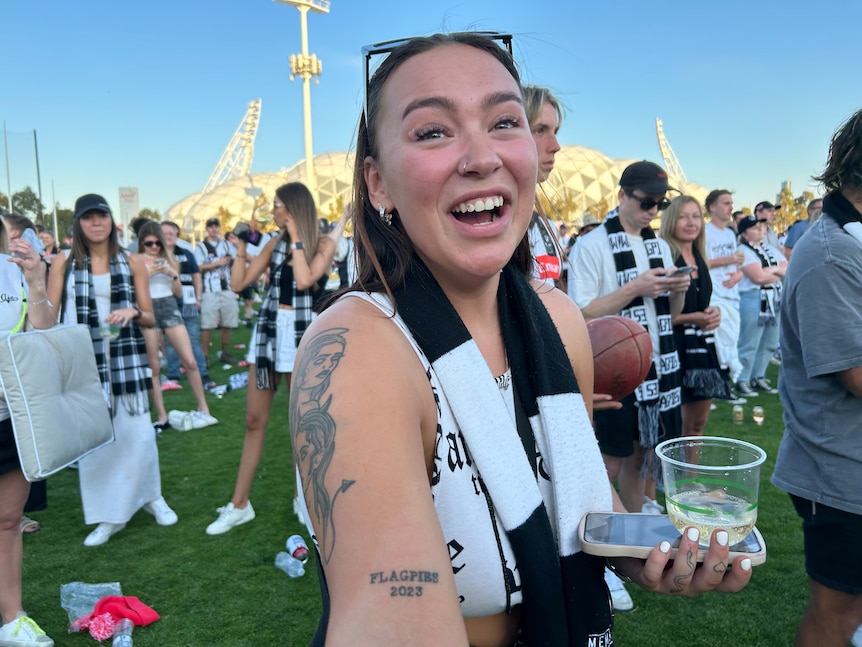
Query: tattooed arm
(362, 419)
(683, 576)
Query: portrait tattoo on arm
(312, 428)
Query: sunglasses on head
(152, 243)
(648, 203)
(388, 46)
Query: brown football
(622, 353)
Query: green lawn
(226, 591)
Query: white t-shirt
(721, 242)
(13, 290)
(746, 284)
(594, 273)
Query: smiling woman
(444, 371)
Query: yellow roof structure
(583, 180)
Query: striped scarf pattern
(124, 378)
(565, 602)
(770, 294)
(659, 395)
(266, 323)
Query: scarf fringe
(707, 383)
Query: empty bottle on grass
(289, 564)
(123, 633)
(296, 546)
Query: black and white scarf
(701, 372)
(267, 318)
(564, 600)
(770, 293)
(839, 208)
(124, 378)
(658, 396)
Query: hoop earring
(385, 217)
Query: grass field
(225, 590)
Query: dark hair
(171, 223)
(298, 201)
(139, 222)
(713, 196)
(384, 252)
(153, 228)
(17, 222)
(844, 166)
(81, 248)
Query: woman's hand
(605, 402)
(122, 316)
(711, 319)
(24, 256)
(684, 575)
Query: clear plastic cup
(710, 483)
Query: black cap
(646, 176)
(766, 205)
(747, 223)
(91, 202)
(213, 221)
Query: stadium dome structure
(583, 180)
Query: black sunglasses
(649, 203)
(152, 243)
(388, 46)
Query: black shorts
(829, 532)
(8, 450)
(248, 291)
(617, 429)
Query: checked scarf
(266, 324)
(700, 364)
(124, 374)
(770, 294)
(565, 602)
(658, 396)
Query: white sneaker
(161, 511)
(23, 632)
(201, 420)
(297, 510)
(228, 517)
(102, 533)
(621, 598)
(651, 506)
(857, 638)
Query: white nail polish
(664, 547)
(721, 537)
(693, 534)
(746, 564)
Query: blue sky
(148, 94)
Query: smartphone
(685, 269)
(33, 238)
(622, 534)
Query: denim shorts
(166, 312)
(832, 537)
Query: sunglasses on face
(388, 46)
(152, 243)
(649, 203)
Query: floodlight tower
(307, 66)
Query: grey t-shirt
(820, 456)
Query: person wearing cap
(22, 274)
(255, 241)
(766, 211)
(218, 304)
(588, 223)
(98, 282)
(622, 268)
(819, 461)
(724, 260)
(795, 231)
(763, 267)
(545, 114)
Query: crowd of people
(478, 303)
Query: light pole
(306, 66)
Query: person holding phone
(165, 288)
(25, 302)
(693, 328)
(445, 454)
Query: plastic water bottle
(123, 633)
(289, 564)
(297, 547)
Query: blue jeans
(756, 343)
(193, 325)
